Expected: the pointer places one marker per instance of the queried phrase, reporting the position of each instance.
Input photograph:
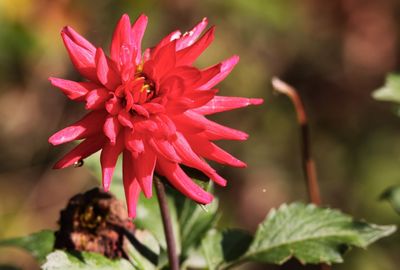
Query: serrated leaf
(220, 248)
(311, 234)
(392, 195)
(61, 260)
(38, 244)
(390, 91)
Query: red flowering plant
(150, 107)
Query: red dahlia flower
(150, 107)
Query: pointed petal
(190, 37)
(143, 169)
(83, 150)
(133, 141)
(111, 128)
(177, 177)
(165, 149)
(188, 55)
(113, 106)
(122, 51)
(163, 61)
(221, 104)
(211, 151)
(96, 98)
(140, 110)
(131, 186)
(169, 38)
(106, 72)
(108, 159)
(73, 90)
(138, 30)
(78, 39)
(191, 159)
(86, 127)
(81, 52)
(215, 131)
(225, 68)
(125, 119)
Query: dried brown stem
(307, 160)
(166, 218)
(310, 172)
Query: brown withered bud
(94, 221)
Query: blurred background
(334, 52)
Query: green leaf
(311, 234)
(220, 248)
(38, 244)
(60, 260)
(390, 91)
(144, 251)
(392, 194)
(195, 220)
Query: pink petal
(122, 51)
(73, 90)
(225, 68)
(190, 158)
(83, 150)
(125, 118)
(215, 131)
(88, 126)
(81, 52)
(134, 141)
(164, 60)
(138, 30)
(190, 37)
(143, 169)
(211, 151)
(113, 106)
(177, 177)
(153, 107)
(131, 186)
(201, 97)
(78, 39)
(106, 72)
(108, 159)
(169, 38)
(187, 56)
(111, 128)
(96, 99)
(165, 149)
(140, 110)
(221, 104)
(187, 75)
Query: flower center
(136, 91)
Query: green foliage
(38, 244)
(308, 233)
(60, 260)
(392, 195)
(311, 234)
(390, 91)
(221, 248)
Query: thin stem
(310, 172)
(307, 160)
(166, 218)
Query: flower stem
(310, 172)
(167, 224)
(307, 160)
